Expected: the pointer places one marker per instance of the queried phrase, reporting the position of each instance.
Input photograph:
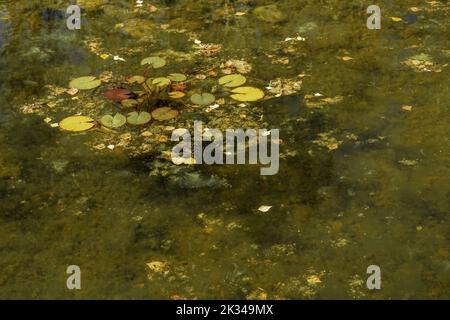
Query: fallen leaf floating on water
(113, 122)
(203, 99)
(139, 118)
(264, 208)
(176, 77)
(118, 94)
(155, 62)
(85, 83)
(247, 94)
(233, 65)
(157, 266)
(407, 108)
(396, 19)
(164, 113)
(117, 58)
(232, 80)
(77, 123)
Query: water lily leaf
(161, 82)
(139, 118)
(164, 113)
(129, 103)
(118, 94)
(176, 94)
(136, 79)
(113, 122)
(203, 98)
(85, 83)
(177, 77)
(155, 62)
(232, 80)
(247, 94)
(77, 123)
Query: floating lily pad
(136, 79)
(113, 122)
(155, 62)
(177, 77)
(164, 113)
(85, 83)
(139, 118)
(247, 94)
(176, 94)
(129, 103)
(232, 80)
(203, 98)
(77, 123)
(161, 82)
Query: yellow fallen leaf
(346, 58)
(396, 19)
(104, 56)
(407, 108)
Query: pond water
(364, 152)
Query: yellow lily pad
(247, 94)
(77, 123)
(232, 80)
(176, 94)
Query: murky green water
(364, 169)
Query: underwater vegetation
(87, 179)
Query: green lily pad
(129, 103)
(85, 83)
(203, 98)
(164, 113)
(136, 79)
(161, 82)
(232, 80)
(155, 62)
(247, 94)
(177, 77)
(113, 122)
(139, 118)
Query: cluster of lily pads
(145, 104)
